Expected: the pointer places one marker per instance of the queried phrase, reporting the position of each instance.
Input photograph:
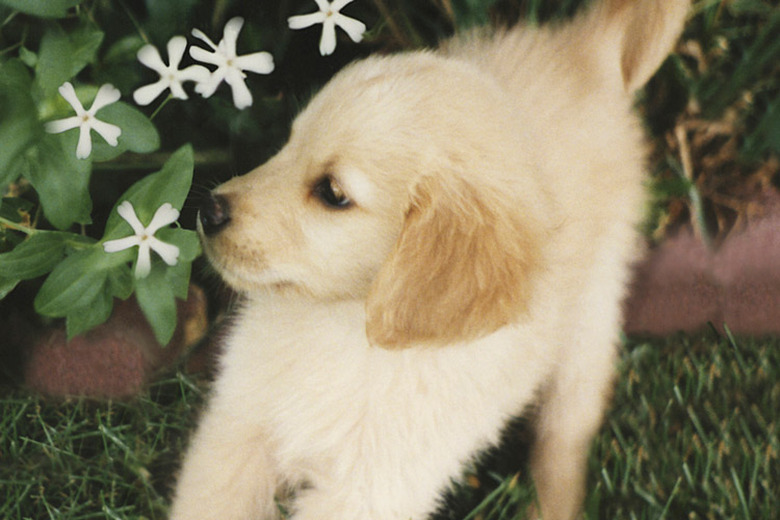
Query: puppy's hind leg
(227, 473)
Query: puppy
(443, 242)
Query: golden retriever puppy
(443, 242)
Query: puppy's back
(573, 84)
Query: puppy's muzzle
(214, 214)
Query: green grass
(693, 434)
(81, 460)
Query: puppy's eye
(330, 193)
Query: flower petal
(67, 91)
(84, 146)
(258, 62)
(197, 73)
(127, 212)
(165, 214)
(107, 131)
(202, 55)
(61, 125)
(120, 244)
(208, 87)
(107, 94)
(305, 20)
(149, 56)
(177, 90)
(354, 28)
(168, 252)
(242, 98)
(323, 5)
(230, 35)
(143, 265)
(328, 38)
(197, 33)
(148, 93)
(176, 47)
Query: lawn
(693, 433)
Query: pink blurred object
(116, 359)
(681, 286)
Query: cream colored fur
(495, 187)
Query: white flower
(329, 16)
(230, 67)
(85, 120)
(171, 77)
(144, 237)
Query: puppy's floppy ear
(459, 270)
(647, 30)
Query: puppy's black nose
(214, 213)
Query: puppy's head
(391, 188)
(411, 182)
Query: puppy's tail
(635, 36)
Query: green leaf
(62, 55)
(60, 178)
(178, 278)
(73, 284)
(6, 286)
(158, 303)
(171, 184)
(119, 64)
(85, 41)
(187, 241)
(37, 255)
(82, 319)
(138, 132)
(28, 57)
(54, 60)
(120, 281)
(124, 50)
(43, 8)
(81, 288)
(19, 126)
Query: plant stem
(9, 18)
(17, 227)
(135, 23)
(698, 219)
(157, 110)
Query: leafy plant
(83, 279)
(49, 155)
